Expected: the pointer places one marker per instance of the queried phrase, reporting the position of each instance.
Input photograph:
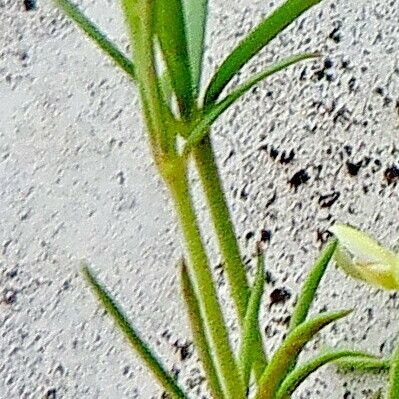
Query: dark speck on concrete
(30, 5)
(185, 352)
(353, 168)
(249, 235)
(273, 153)
(391, 174)
(279, 295)
(287, 158)
(299, 178)
(12, 273)
(244, 193)
(322, 236)
(51, 394)
(271, 200)
(184, 349)
(120, 177)
(347, 395)
(328, 63)
(269, 278)
(335, 35)
(9, 296)
(348, 149)
(265, 235)
(328, 200)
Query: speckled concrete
(315, 144)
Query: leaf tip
(87, 272)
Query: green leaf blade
(302, 372)
(196, 12)
(267, 30)
(363, 365)
(393, 388)
(198, 331)
(171, 32)
(312, 282)
(132, 336)
(213, 112)
(98, 37)
(251, 336)
(288, 352)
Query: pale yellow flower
(361, 257)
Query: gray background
(77, 183)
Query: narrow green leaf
(287, 353)
(213, 112)
(140, 20)
(95, 34)
(164, 378)
(166, 88)
(198, 330)
(393, 388)
(196, 12)
(309, 288)
(250, 333)
(299, 375)
(363, 365)
(267, 30)
(170, 29)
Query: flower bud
(362, 258)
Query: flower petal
(345, 262)
(396, 269)
(382, 276)
(364, 248)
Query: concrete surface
(314, 144)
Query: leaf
(299, 375)
(212, 113)
(287, 353)
(393, 387)
(170, 29)
(365, 364)
(166, 89)
(95, 34)
(267, 30)
(198, 330)
(196, 12)
(309, 288)
(250, 334)
(104, 297)
(140, 20)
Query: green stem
(203, 285)
(208, 172)
(393, 391)
(235, 269)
